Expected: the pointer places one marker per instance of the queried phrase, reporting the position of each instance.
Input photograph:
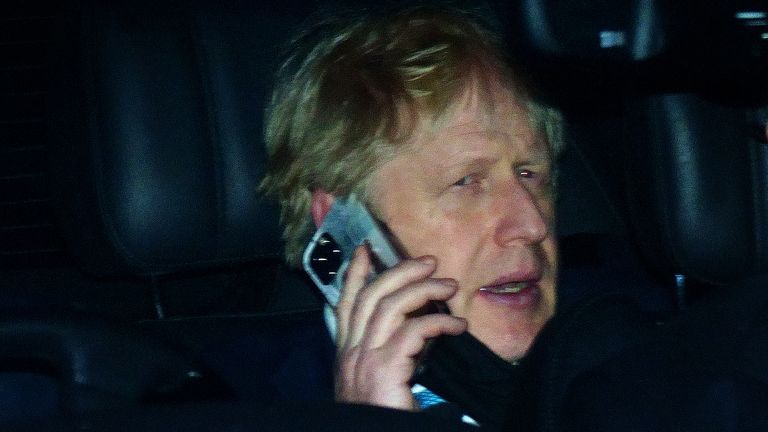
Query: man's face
(476, 193)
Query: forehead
(484, 111)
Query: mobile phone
(347, 225)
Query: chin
(510, 348)
(510, 340)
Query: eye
(526, 173)
(466, 180)
(536, 174)
(539, 179)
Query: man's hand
(379, 335)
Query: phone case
(347, 225)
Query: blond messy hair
(351, 90)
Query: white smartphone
(347, 225)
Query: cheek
(427, 236)
(446, 235)
(550, 248)
(548, 210)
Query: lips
(515, 279)
(510, 291)
(507, 288)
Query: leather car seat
(157, 125)
(696, 174)
(155, 112)
(695, 200)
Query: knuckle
(355, 271)
(430, 325)
(388, 303)
(343, 308)
(419, 322)
(366, 295)
(405, 269)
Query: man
(417, 113)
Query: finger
(393, 309)
(409, 340)
(367, 299)
(354, 280)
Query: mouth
(517, 294)
(507, 288)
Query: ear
(321, 204)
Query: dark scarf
(472, 378)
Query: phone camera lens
(326, 259)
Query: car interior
(142, 270)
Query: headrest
(157, 122)
(626, 30)
(697, 176)
(639, 30)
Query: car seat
(696, 176)
(157, 142)
(696, 187)
(696, 200)
(155, 128)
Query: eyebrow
(537, 148)
(474, 163)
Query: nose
(522, 216)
